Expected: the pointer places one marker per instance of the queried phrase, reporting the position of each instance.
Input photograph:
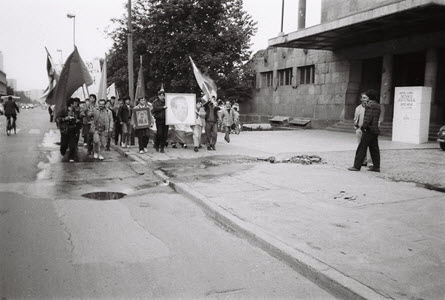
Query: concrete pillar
(386, 102)
(301, 14)
(431, 65)
(352, 91)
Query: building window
(266, 79)
(285, 76)
(307, 74)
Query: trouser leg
(63, 142)
(361, 150)
(227, 134)
(72, 142)
(375, 151)
(214, 134)
(164, 135)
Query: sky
(30, 25)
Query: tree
(9, 90)
(215, 33)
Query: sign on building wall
(411, 114)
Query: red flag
(206, 84)
(140, 87)
(74, 74)
(53, 77)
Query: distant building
(319, 72)
(12, 83)
(3, 83)
(34, 95)
(1, 61)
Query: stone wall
(321, 101)
(336, 9)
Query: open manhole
(104, 195)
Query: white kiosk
(411, 120)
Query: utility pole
(282, 16)
(130, 56)
(130, 66)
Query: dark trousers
(368, 140)
(211, 132)
(117, 132)
(68, 140)
(90, 142)
(161, 133)
(143, 137)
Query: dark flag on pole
(74, 74)
(140, 87)
(53, 77)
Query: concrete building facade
(319, 72)
(3, 83)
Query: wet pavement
(374, 234)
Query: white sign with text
(411, 120)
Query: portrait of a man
(141, 118)
(180, 109)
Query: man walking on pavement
(227, 120)
(359, 116)
(143, 133)
(124, 115)
(159, 114)
(211, 119)
(370, 129)
(102, 126)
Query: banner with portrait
(180, 109)
(141, 118)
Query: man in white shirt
(358, 122)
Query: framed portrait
(141, 117)
(180, 109)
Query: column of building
(431, 64)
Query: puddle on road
(104, 195)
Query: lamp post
(73, 16)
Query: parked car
(441, 137)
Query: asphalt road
(153, 243)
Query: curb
(325, 276)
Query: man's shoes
(127, 146)
(364, 164)
(145, 150)
(162, 150)
(157, 148)
(213, 146)
(209, 148)
(373, 169)
(184, 145)
(141, 151)
(71, 160)
(96, 156)
(200, 146)
(196, 149)
(101, 157)
(353, 169)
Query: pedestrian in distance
(359, 116)
(102, 127)
(11, 110)
(69, 123)
(199, 122)
(236, 119)
(211, 119)
(143, 134)
(370, 129)
(91, 109)
(109, 106)
(158, 110)
(227, 120)
(124, 115)
(117, 123)
(86, 123)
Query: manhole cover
(104, 195)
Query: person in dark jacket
(159, 114)
(370, 129)
(69, 122)
(124, 115)
(211, 126)
(11, 109)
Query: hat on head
(161, 92)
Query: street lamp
(73, 16)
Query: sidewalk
(356, 234)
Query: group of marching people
(100, 123)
